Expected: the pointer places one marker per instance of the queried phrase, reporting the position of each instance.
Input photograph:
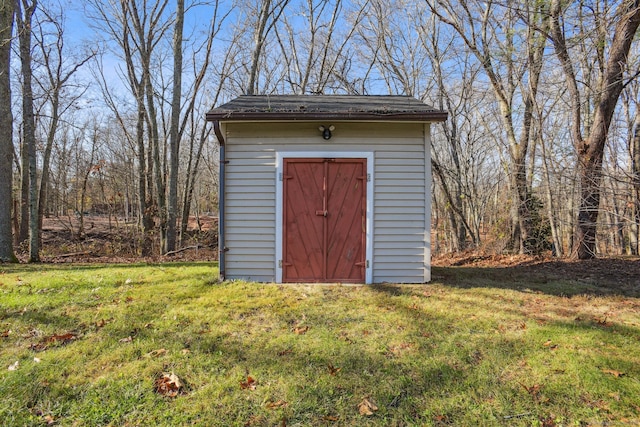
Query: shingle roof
(326, 107)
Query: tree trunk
(6, 134)
(174, 137)
(634, 151)
(28, 121)
(258, 42)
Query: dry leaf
(250, 384)
(300, 330)
(6, 333)
(333, 370)
(548, 421)
(37, 360)
(367, 407)
(127, 339)
(158, 352)
(284, 352)
(49, 420)
(62, 338)
(186, 351)
(330, 418)
(276, 405)
(613, 372)
(14, 366)
(102, 323)
(168, 385)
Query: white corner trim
(427, 198)
(369, 156)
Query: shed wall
(401, 195)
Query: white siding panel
(259, 239)
(394, 211)
(249, 213)
(242, 198)
(399, 205)
(399, 235)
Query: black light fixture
(326, 131)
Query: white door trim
(280, 156)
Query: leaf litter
(168, 385)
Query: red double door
(324, 220)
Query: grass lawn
(88, 345)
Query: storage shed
(325, 188)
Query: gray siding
(400, 200)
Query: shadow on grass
(601, 277)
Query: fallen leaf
(278, 404)
(613, 372)
(330, 418)
(548, 421)
(37, 360)
(333, 370)
(250, 384)
(14, 366)
(6, 333)
(300, 330)
(168, 384)
(367, 407)
(103, 322)
(186, 351)
(128, 299)
(284, 352)
(49, 420)
(127, 339)
(38, 347)
(62, 338)
(158, 352)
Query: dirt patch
(97, 238)
(613, 274)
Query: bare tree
(590, 149)
(6, 132)
(137, 32)
(24, 19)
(268, 14)
(174, 141)
(512, 61)
(58, 67)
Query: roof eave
(260, 116)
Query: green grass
(468, 349)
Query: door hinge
(364, 263)
(282, 177)
(368, 180)
(283, 264)
(280, 261)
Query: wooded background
(102, 110)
